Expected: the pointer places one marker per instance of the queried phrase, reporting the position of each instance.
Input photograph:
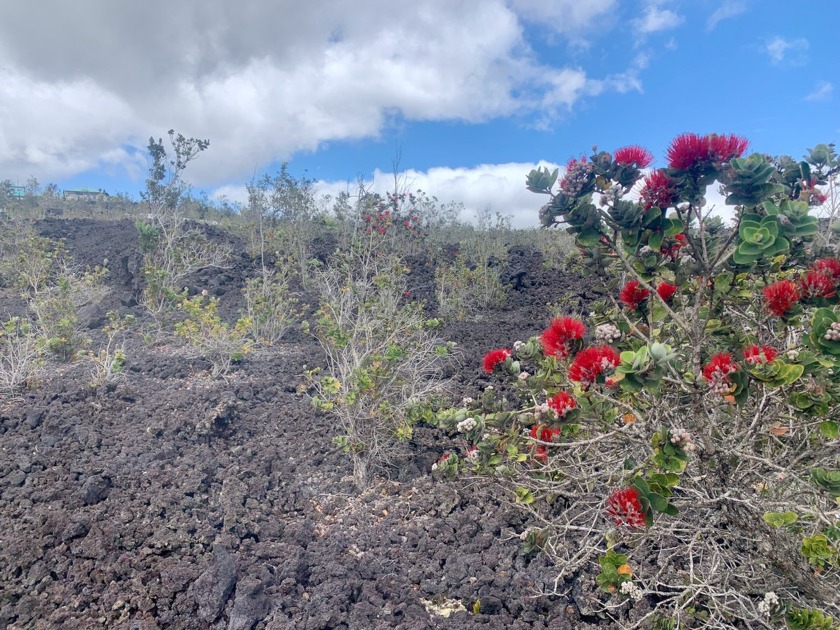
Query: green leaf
(780, 519)
(830, 429)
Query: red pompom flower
(624, 508)
(635, 156)
(555, 339)
(666, 291)
(494, 357)
(562, 403)
(817, 284)
(543, 433)
(781, 296)
(719, 367)
(592, 362)
(658, 191)
(755, 355)
(830, 267)
(632, 295)
(690, 149)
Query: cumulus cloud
(792, 52)
(655, 19)
(728, 10)
(822, 92)
(264, 79)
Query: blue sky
(472, 94)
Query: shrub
(703, 434)
(214, 339)
(20, 358)
(56, 308)
(109, 360)
(270, 306)
(384, 358)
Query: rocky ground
(174, 500)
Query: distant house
(19, 192)
(85, 194)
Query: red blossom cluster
(671, 251)
(781, 297)
(556, 338)
(632, 295)
(822, 280)
(591, 362)
(689, 150)
(543, 433)
(624, 508)
(666, 291)
(562, 403)
(816, 284)
(494, 358)
(755, 355)
(658, 191)
(719, 367)
(633, 156)
(812, 194)
(394, 213)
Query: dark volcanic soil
(177, 501)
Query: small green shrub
(214, 339)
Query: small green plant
(464, 290)
(56, 309)
(614, 571)
(270, 306)
(808, 619)
(214, 339)
(108, 362)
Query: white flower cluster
(518, 345)
(632, 591)
(472, 454)
(682, 438)
(770, 601)
(607, 333)
(523, 376)
(833, 333)
(792, 355)
(467, 401)
(466, 425)
(541, 410)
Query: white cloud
(264, 79)
(655, 19)
(500, 187)
(728, 10)
(787, 51)
(822, 92)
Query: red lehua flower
(719, 365)
(624, 508)
(591, 362)
(754, 354)
(562, 403)
(666, 291)
(830, 267)
(781, 296)
(724, 148)
(816, 284)
(690, 149)
(632, 295)
(658, 191)
(494, 357)
(543, 433)
(636, 156)
(556, 337)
